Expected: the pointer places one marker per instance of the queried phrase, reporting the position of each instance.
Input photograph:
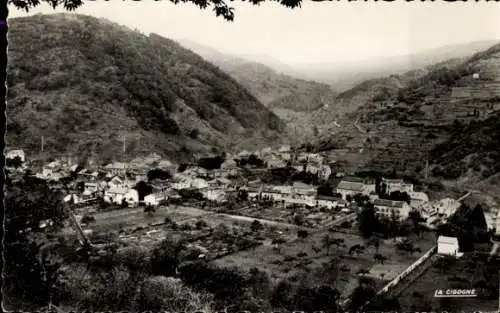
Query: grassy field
(300, 256)
(461, 274)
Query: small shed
(447, 246)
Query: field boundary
(404, 277)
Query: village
(246, 211)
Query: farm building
(447, 246)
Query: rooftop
(118, 190)
(352, 186)
(353, 179)
(392, 181)
(389, 203)
(445, 239)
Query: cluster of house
(350, 186)
(313, 163)
(118, 186)
(296, 194)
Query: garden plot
(332, 261)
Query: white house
(116, 168)
(118, 194)
(305, 201)
(16, 153)
(244, 154)
(346, 188)
(91, 187)
(132, 197)
(388, 208)
(155, 199)
(285, 148)
(115, 195)
(447, 246)
(325, 201)
(397, 185)
(199, 183)
(116, 182)
(266, 151)
(253, 193)
(475, 76)
(302, 191)
(214, 194)
(273, 194)
(275, 162)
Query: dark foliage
(191, 194)
(165, 257)
(468, 225)
(28, 203)
(211, 163)
(325, 190)
(477, 139)
(158, 174)
(143, 189)
(252, 161)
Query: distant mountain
(267, 83)
(446, 115)
(345, 75)
(89, 85)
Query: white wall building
(155, 199)
(397, 185)
(118, 194)
(214, 194)
(116, 168)
(388, 208)
(324, 201)
(447, 246)
(346, 188)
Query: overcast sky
(317, 32)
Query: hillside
(446, 114)
(87, 85)
(273, 88)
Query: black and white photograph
(210, 156)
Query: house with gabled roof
(118, 194)
(347, 188)
(389, 209)
(325, 201)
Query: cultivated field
(333, 265)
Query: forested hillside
(87, 85)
